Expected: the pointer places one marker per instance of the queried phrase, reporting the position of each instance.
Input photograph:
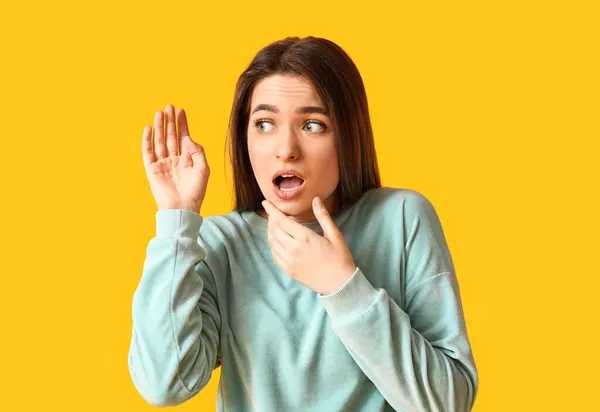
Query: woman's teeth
(288, 183)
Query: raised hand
(176, 166)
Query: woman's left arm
(419, 359)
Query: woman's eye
(259, 125)
(313, 127)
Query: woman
(321, 290)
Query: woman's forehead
(286, 92)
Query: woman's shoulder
(391, 205)
(219, 227)
(409, 200)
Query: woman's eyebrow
(300, 110)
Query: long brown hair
(339, 84)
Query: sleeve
(348, 281)
(419, 359)
(176, 320)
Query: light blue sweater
(392, 338)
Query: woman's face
(289, 129)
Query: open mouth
(288, 183)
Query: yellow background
(490, 109)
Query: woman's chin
(289, 208)
(298, 208)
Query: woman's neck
(331, 203)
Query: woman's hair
(339, 84)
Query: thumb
(188, 145)
(330, 230)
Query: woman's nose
(288, 146)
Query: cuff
(178, 223)
(345, 283)
(353, 298)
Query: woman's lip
(289, 194)
(287, 172)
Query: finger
(280, 255)
(159, 135)
(171, 131)
(147, 152)
(295, 229)
(330, 230)
(274, 244)
(183, 131)
(281, 251)
(199, 159)
(281, 263)
(287, 241)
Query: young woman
(321, 290)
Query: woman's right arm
(176, 321)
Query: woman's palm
(176, 167)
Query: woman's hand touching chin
(321, 263)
